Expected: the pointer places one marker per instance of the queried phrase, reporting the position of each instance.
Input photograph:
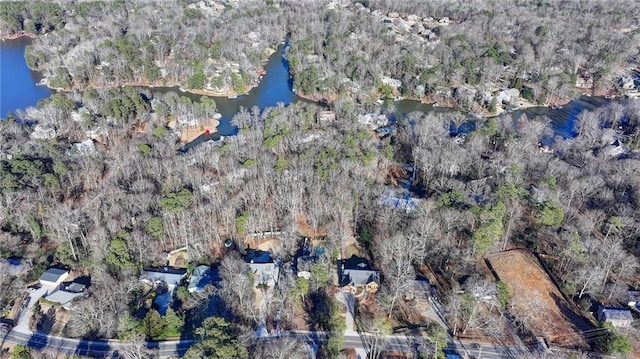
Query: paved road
(88, 348)
(110, 349)
(166, 349)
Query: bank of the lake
(18, 84)
(19, 90)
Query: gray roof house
(170, 276)
(200, 277)
(53, 277)
(67, 294)
(265, 273)
(262, 266)
(618, 317)
(356, 276)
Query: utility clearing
(544, 309)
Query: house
(265, 271)
(166, 275)
(357, 277)
(53, 277)
(326, 116)
(200, 277)
(618, 317)
(67, 294)
(86, 147)
(419, 290)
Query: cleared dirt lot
(537, 301)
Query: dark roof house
(258, 256)
(618, 317)
(357, 276)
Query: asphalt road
(165, 349)
(88, 348)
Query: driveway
(25, 315)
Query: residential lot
(535, 294)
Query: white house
(53, 277)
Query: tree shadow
(578, 322)
(46, 322)
(318, 307)
(38, 341)
(95, 349)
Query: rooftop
(201, 276)
(64, 297)
(170, 276)
(53, 274)
(358, 277)
(258, 256)
(355, 262)
(614, 313)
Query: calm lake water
(19, 90)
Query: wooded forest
(448, 51)
(109, 213)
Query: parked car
(34, 287)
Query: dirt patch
(300, 320)
(536, 300)
(190, 133)
(307, 230)
(178, 258)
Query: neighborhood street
(166, 349)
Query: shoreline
(17, 35)
(328, 100)
(178, 88)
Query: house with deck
(357, 276)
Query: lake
(19, 90)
